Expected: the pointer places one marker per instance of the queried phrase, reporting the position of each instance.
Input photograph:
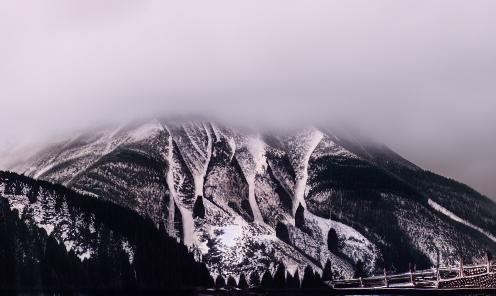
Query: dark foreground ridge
(32, 260)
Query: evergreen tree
(289, 281)
(29, 258)
(220, 282)
(282, 232)
(332, 240)
(178, 223)
(243, 285)
(199, 208)
(308, 281)
(300, 217)
(231, 282)
(206, 279)
(327, 273)
(280, 277)
(359, 272)
(255, 279)
(267, 280)
(297, 281)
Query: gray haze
(420, 76)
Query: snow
(48, 227)
(43, 170)
(187, 216)
(144, 132)
(199, 187)
(257, 150)
(454, 217)
(170, 183)
(234, 236)
(69, 244)
(231, 233)
(355, 245)
(127, 248)
(232, 143)
(85, 255)
(301, 182)
(63, 223)
(109, 147)
(84, 192)
(216, 133)
(328, 147)
(18, 202)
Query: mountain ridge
(250, 182)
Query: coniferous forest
(32, 260)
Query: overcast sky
(420, 76)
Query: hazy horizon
(417, 76)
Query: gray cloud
(419, 76)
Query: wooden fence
(482, 276)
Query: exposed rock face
(374, 200)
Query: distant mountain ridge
(252, 184)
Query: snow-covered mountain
(250, 184)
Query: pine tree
(255, 279)
(242, 282)
(206, 279)
(332, 240)
(267, 280)
(296, 277)
(199, 208)
(231, 282)
(289, 281)
(220, 282)
(359, 272)
(280, 277)
(327, 273)
(282, 232)
(308, 281)
(300, 217)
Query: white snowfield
(315, 137)
(445, 211)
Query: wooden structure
(481, 276)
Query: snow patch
(18, 202)
(355, 245)
(42, 171)
(85, 255)
(187, 216)
(232, 143)
(231, 233)
(301, 182)
(145, 131)
(454, 217)
(257, 150)
(129, 251)
(170, 184)
(84, 192)
(216, 133)
(48, 227)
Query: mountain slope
(376, 201)
(46, 227)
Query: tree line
(30, 259)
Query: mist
(417, 76)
